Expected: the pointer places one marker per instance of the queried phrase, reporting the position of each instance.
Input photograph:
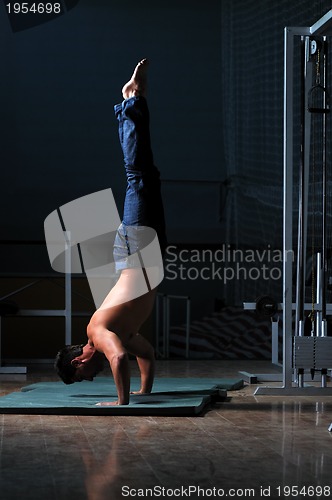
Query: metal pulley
(318, 99)
(318, 96)
(266, 306)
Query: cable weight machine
(307, 348)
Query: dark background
(216, 103)
(59, 83)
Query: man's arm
(144, 352)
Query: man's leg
(134, 122)
(143, 203)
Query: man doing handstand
(113, 328)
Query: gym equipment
(306, 61)
(266, 306)
(163, 318)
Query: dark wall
(59, 81)
(215, 94)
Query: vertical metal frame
(68, 301)
(321, 27)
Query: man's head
(63, 364)
(75, 363)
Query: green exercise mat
(170, 396)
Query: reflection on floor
(258, 446)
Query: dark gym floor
(248, 446)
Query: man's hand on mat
(108, 403)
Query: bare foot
(137, 83)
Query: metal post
(68, 305)
(324, 180)
(288, 207)
(167, 323)
(300, 274)
(319, 302)
(275, 340)
(188, 328)
(167, 327)
(158, 319)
